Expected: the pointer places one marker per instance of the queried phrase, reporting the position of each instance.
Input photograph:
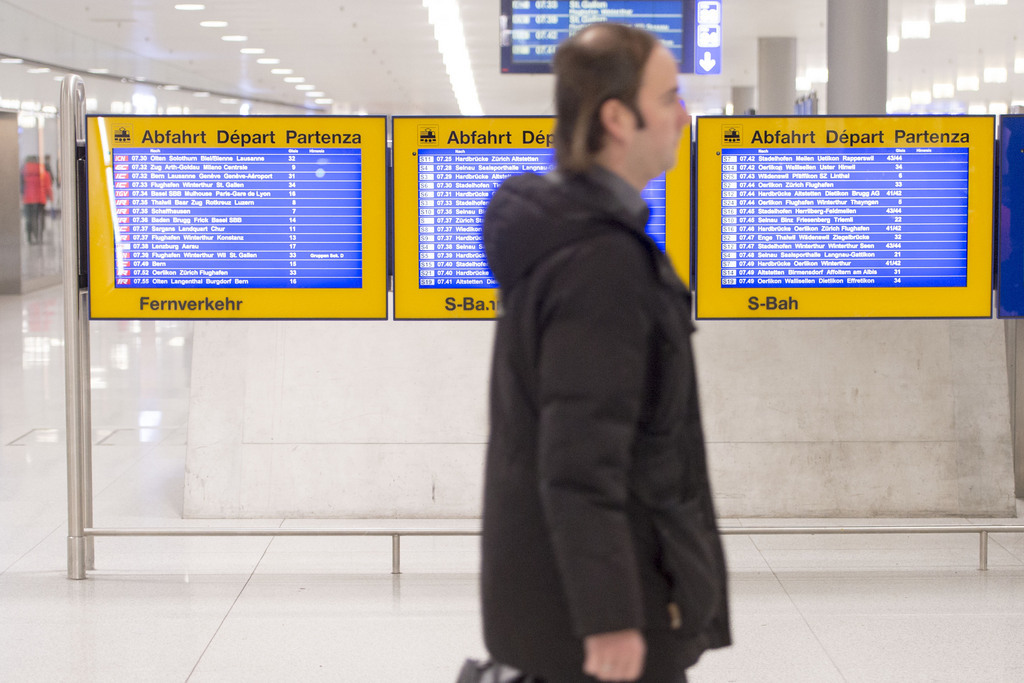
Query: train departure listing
(455, 186)
(238, 218)
(826, 217)
(538, 26)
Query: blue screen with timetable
(826, 217)
(455, 186)
(238, 218)
(533, 29)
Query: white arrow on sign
(707, 62)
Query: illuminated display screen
(844, 217)
(254, 217)
(446, 170)
(1011, 216)
(223, 217)
(532, 29)
(455, 186)
(891, 217)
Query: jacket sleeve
(592, 356)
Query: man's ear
(618, 120)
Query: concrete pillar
(857, 56)
(742, 99)
(776, 76)
(10, 205)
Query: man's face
(657, 143)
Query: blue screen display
(532, 29)
(246, 218)
(1011, 216)
(826, 217)
(455, 186)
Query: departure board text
(245, 218)
(825, 217)
(454, 187)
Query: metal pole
(72, 108)
(85, 407)
(396, 554)
(1017, 419)
(983, 551)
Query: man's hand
(614, 656)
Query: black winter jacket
(596, 447)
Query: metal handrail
(982, 529)
(76, 347)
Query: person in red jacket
(36, 192)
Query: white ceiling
(381, 57)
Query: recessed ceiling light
(98, 71)
(967, 83)
(213, 24)
(293, 79)
(324, 100)
(11, 60)
(235, 39)
(171, 87)
(305, 86)
(252, 50)
(268, 60)
(190, 7)
(910, 30)
(317, 93)
(995, 75)
(281, 71)
(201, 93)
(900, 104)
(818, 74)
(943, 91)
(38, 70)
(950, 12)
(228, 100)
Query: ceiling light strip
(451, 42)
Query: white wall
(802, 418)
(857, 418)
(337, 419)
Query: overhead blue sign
(531, 30)
(702, 53)
(1011, 217)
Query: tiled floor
(805, 608)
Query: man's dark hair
(602, 62)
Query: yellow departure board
(445, 171)
(237, 217)
(844, 217)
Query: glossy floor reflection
(42, 261)
(805, 608)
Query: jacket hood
(531, 216)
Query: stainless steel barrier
(983, 530)
(395, 534)
(79, 421)
(76, 334)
